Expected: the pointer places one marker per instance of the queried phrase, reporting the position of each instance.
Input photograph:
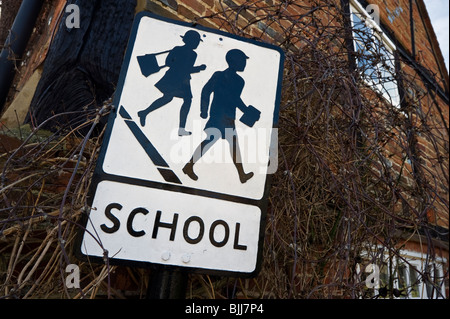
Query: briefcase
(250, 116)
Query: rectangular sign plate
(183, 174)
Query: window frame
(389, 89)
(413, 261)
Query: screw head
(165, 255)
(186, 258)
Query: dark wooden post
(167, 284)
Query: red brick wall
(426, 140)
(417, 148)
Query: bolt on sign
(183, 174)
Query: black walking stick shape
(162, 166)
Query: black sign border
(99, 175)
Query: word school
(142, 224)
(192, 222)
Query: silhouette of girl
(176, 82)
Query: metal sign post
(184, 171)
(167, 284)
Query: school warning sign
(184, 171)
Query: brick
(186, 12)
(209, 3)
(195, 5)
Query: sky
(439, 15)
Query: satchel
(250, 116)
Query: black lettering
(225, 238)
(186, 228)
(130, 229)
(111, 217)
(158, 224)
(236, 239)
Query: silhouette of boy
(176, 82)
(227, 87)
